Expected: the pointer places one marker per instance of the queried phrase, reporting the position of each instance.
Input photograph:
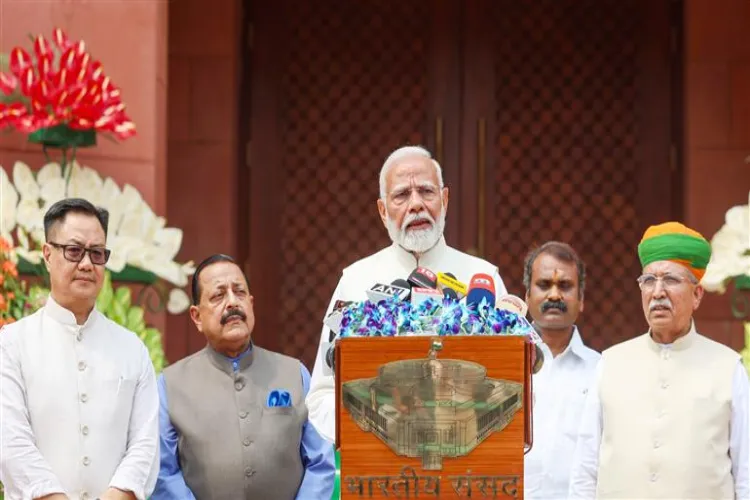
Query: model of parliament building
(431, 408)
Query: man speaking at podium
(412, 205)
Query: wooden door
(567, 132)
(552, 120)
(336, 85)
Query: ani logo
(432, 408)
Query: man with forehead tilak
(555, 280)
(412, 206)
(668, 414)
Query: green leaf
(152, 338)
(123, 296)
(106, 295)
(742, 282)
(134, 321)
(118, 313)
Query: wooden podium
(433, 417)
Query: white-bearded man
(412, 205)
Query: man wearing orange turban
(668, 414)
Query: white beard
(416, 240)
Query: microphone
(331, 357)
(447, 281)
(333, 320)
(481, 288)
(403, 284)
(420, 294)
(512, 303)
(422, 277)
(380, 291)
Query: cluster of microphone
(423, 284)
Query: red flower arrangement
(60, 95)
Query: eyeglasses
(75, 253)
(647, 282)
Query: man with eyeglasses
(78, 398)
(668, 415)
(413, 204)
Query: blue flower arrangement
(392, 317)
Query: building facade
(263, 125)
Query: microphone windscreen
(402, 283)
(380, 291)
(419, 295)
(481, 287)
(447, 280)
(331, 357)
(422, 277)
(512, 303)
(450, 293)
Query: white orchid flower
(151, 259)
(8, 203)
(31, 256)
(52, 191)
(169, 240)
(49, 173)
(111, 200)
(85, 183)
(28, 214)
(121, 247)
(178, 302)
(136, 235)
(728, 250)
(23, 179)
(23, 238)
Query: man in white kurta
(412, 206)
(667, 416)
(555, 280)
(78, 398)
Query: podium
(433, 416)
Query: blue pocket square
(278, 397)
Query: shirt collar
(576, 343)
(680, 344)
(231, 365)
(575, 346)
(65, 316)
(428, 258)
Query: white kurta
(585, 467)
(79, 407)
(387, 265)
(560, 390)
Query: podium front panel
(432, 417)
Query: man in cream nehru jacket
(412, 205)
(668, 414)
